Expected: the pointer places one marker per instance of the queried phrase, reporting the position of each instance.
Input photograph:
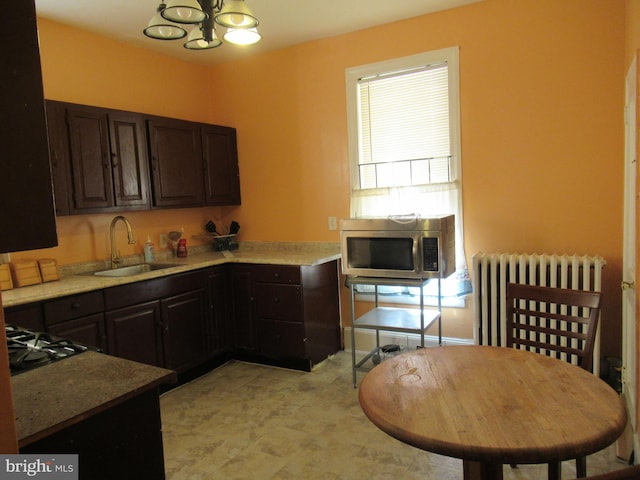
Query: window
(404, 140)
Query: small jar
(182, 248)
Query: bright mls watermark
(51, 467)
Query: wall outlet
(163, 240)
(333, 223)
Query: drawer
(277, 274)
(281, 302)
(281, 339)
(76, 306)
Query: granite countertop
(79, 279)
(55, 396)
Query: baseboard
(366, 340)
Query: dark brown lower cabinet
(275, 313)
(242, 311)
(26, 316)
(281, 339)
(77, 317)
(160, 322)
(134, 333)
(184, 329)
(296, 311)
(219, 333)
(123, 442)
(87, 330)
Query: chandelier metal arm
(208, 7)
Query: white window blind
(404, 128)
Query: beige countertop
(50, 398)
(78, 278)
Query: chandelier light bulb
(242, 36)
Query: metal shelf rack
(391, 319)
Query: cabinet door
(86, 330)
(219, 334)
(184, 330)
(242, 307)
(133, 333)
(221, 175)
(176, 163)
(129, 159)
(27, 214)
(90, 162)
(59, 152)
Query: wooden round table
(491, 406)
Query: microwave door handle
(416, 268)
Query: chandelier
(171, 18)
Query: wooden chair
(629, 473)
(555, 322)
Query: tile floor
(247, 421)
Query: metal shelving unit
(391, 319)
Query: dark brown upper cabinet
(90, 162)
(108, 159)
(99, 159)
(221, 175)
(129, 159)
(27, 216)
(59, 153)
(176, 163)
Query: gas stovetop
(29, 349)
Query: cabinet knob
(276, 300)
(75, 306)
(277, 275)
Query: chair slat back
(553, 321)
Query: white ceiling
(282, 22)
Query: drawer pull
(277, 275)
(75, 306)
(276, 300)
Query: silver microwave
(398, 247)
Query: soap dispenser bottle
(148, 251)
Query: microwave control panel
(430, 254)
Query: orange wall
(632, 30)
(541, 117)
(542, 133)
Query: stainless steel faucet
(115, 258)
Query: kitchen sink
(132, 270)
